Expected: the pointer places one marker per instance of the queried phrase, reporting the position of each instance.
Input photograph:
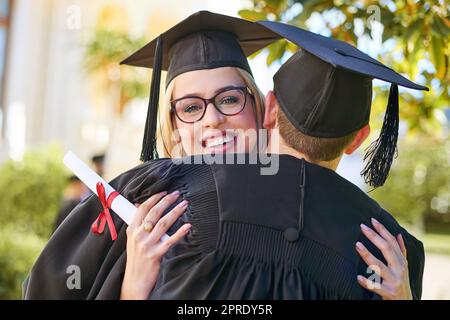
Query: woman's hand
(395, 275)
(144, 248)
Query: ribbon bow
(105, 216)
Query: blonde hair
(168, 142)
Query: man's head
(324, 151)
(325, 91)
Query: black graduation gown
(242, 244)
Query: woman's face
(215, 132)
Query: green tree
(418, 188)
(419, 30)
(103, 52)
(31, 190)
(18, 251)
(30, 196)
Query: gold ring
(148, 226)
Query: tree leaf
(439, 28)
(312, 6)
(437, 56)
(413, 28)
(252, 15)
(276, 52)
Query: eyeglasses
(229, 102)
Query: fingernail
(375, 222)
(360, 278)
(187, 227)
(183, 204)
(175, 193)
(364, 227)
(360, 246)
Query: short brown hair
(316, 149)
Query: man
(98, 162)
(75, 192)
(319, 111)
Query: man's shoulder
(155, 167)
(388, 219)
(328, 187)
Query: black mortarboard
(204, 40)
(325, 90)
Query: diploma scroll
(121, 206)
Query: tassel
(382, 151)
(149, 142)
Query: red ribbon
(105, 216)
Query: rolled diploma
(121, 206)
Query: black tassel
(149, 142)
(382, 151)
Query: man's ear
(271, 110)
(362, 135)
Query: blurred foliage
(18, 251)
(418, 32)
(30, 196)
(103, 52)
(418, 187)
(30, 190)
(436, 243)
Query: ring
(148, 226)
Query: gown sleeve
(74, 253)
(415, 255)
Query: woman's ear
(271, 109)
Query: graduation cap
(204, 40)
(325, 90)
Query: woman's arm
(395, 275)
(144, 248)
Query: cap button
(341, 52)
(291, 234)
